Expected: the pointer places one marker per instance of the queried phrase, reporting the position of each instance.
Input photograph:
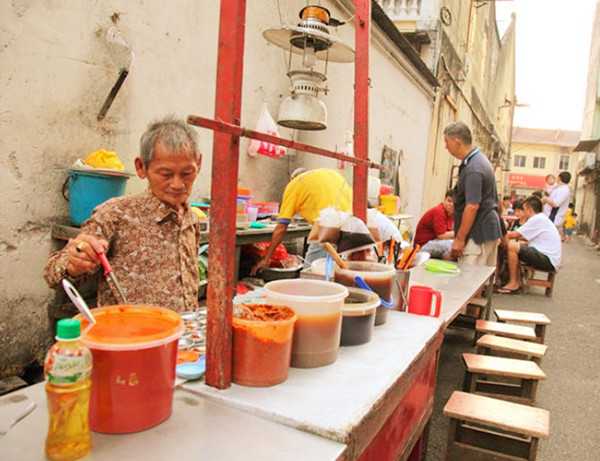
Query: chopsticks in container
(408, 257)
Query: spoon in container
(361, 283)
(328, 268)
(328, 247)
(78, 301)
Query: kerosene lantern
(313, 41)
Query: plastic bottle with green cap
(67, 369)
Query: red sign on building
(526, 181)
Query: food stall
(373, 403)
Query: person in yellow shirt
(308, 192)
(570, 223)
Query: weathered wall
(588, 191)
(477, 74)
(400, 115)
(56, 73)
(593, 83)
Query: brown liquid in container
(358, 317)
(316, 340)
(378, 276)
(318, 306)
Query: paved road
(571, 391)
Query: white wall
(56, 73)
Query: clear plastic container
(318, 306)
(380, 277)
(262, 346)
(358, 317)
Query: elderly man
(435, 229)
(151, 239)
(476, 220)
(307, 194)
(536, 243)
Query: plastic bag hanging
(354, 236)
(266, 125)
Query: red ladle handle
(105, 264)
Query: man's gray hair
(174, 134)
(298, 172)
(460, 131)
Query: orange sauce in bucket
(134, 352)
(131, 325)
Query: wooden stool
(515, 348)
(535, 319)
(505, 329)
(528, 279)
(482, 428)
(520, 377)
(477, 309)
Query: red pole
(225, 161)
(362, 40)
(230, 128)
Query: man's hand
(458, 247)
(82, 252)
(276, 239)
(260, 265)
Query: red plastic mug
(420, 301)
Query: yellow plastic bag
(104, 159)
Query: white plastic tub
(317, 331)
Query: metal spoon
(78, 301)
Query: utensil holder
(400, 290)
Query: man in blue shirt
(476, 220)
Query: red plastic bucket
(134, 352)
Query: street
(571, 391)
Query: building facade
(588, 190)
(460, 41)
(537, 153)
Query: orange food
(187, 356)
(128, 324)
(134, 352)
(262, 344)
(264, 312)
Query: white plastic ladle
(78, 301)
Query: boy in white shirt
(536, 243)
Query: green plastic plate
(441, 267)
